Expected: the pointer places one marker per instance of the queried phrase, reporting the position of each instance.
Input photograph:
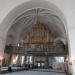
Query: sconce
(18, 45)
(14, 61)
(71, 60)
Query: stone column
(6, 57)
(9, 59)
(47, 61)
(2, 47)
(33, 60)
(25, 58)
(18, 61)
(50, 61)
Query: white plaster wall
(71, 30)
(72, 48)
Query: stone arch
(60, 39)
(20, 9)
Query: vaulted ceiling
(24, 23)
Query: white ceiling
(24, 23)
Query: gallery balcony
(53, 50)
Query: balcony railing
(23, 50)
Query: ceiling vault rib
(24, 22)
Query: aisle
(34, 73)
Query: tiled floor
(34, 73)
